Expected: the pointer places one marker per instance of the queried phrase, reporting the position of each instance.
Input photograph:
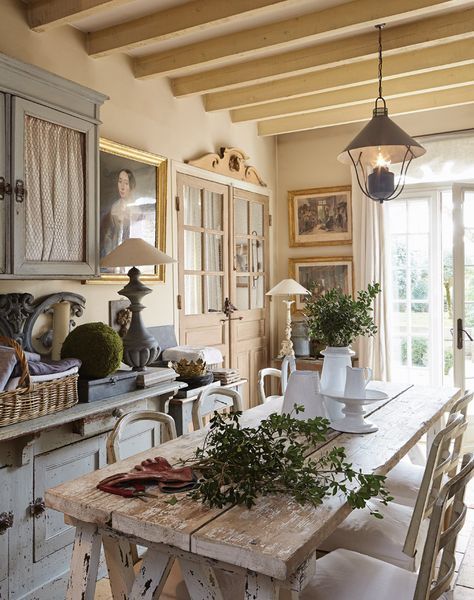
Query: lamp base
(287, 344)
(140, 348)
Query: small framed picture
(320, 216)
(322, 273)
(133, 190)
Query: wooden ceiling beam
(428, 32)
(398, 65)
(362, 112)
(361, 94)
(45, 14)
(349, 18)
(174, 22)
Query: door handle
(460, 332)
(231, 319)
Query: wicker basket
(28, 400)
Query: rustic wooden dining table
(272, 545)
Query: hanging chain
(380, 73)
(380, 27)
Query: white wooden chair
(404, 480)
(346, 575)
(209, 401)
(288, 365)
(401, 533)
(113, 447)
(113, 441)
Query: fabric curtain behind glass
(55, 204)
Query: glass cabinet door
(53, 192)
(4, 196)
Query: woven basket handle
(25, 372)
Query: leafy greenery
(336, 319)
(237, 464)
(419, 352)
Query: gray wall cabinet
(36, 455)
(49, 157)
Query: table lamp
(140, 348)
(287, 287)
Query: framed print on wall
(320, 216)
(133, 188)
(326, 273)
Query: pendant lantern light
(380, 144)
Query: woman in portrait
(115, 224)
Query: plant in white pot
(336, 320)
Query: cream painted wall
(142, 114)
(309, 160)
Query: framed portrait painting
(133, 190)
(320, 216)
(323, 273)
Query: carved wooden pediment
(230, 162)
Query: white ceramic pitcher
(357, 379)
(303, 389)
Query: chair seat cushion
(404, 481)
(380, 538)
(346, 575)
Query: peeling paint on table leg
(201, 581)
(84, 563)
(152, 576)
(260, 587)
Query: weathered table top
(276, 535)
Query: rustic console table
(35, 543)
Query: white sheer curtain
(54, 178)
(369, 267)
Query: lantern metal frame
(381, 132)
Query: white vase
(333, 376)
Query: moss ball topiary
(97, 345)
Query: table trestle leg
(201, 581)
(152, 576)
(84, 562)
(261, 587)
(119, 559)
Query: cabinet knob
(37, 507)
(6, 521)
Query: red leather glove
(155, 471)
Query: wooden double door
(223, 274)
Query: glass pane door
(249, 253)
(412, 236)
(463, 285)
(203, 252)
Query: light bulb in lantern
(381, 182)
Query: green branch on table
(237, 464)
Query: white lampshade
(135, 252)
(287, 287)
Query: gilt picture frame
(133, 201)
(326, 272)
(320, 216)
